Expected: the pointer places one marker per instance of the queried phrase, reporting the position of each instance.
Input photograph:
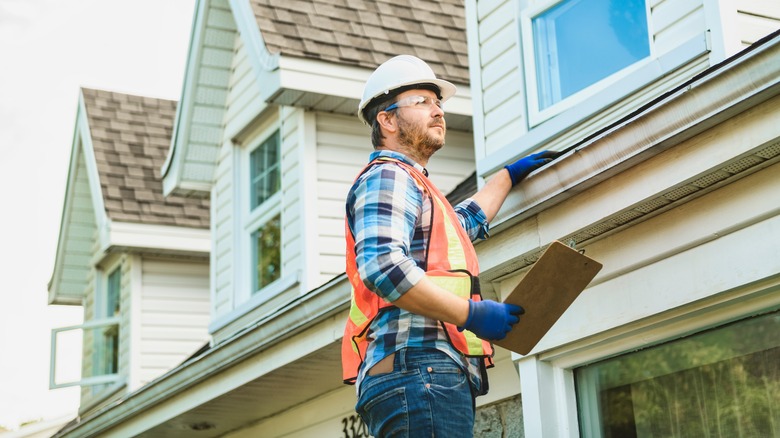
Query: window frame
(253, 219)
(537, 116)
(100, 320)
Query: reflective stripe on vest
(451, 262)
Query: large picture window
(575, 44)
(722, 383)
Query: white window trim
(250, 220)
(101, 288)
(88, 381)
(536, 116)
(548, 378)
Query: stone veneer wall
(503, 419)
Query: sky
(48, 50)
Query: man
(417, 338)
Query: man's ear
(387, 121)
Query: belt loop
(400, 358)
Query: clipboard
(547, 290)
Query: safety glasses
(415, 101)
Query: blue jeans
(426, 395)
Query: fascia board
(327, 301)
(262, 60)
(171, 169)
(328, 78)
(81, 148)
(158, 238)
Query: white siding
(174, 314)
(292, 226)
(502, 77)
(243, 89)
(675, 21)
(756, 19)
(223, 223)
(81, 220)
(343, 147)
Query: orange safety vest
(452, 264)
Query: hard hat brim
(446, 90)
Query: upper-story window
(98, 338)
(106, 352)
(572, 46)
(265, 212)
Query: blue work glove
(522, 167)
(491, 320)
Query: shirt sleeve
(383, 208)
(473, 219)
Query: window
(723, 382)
(266, 253)
(106, 351)
(265, 218)
(575, 44)
(97, 342)
(264, 171)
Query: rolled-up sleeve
(384, 206)
(473, 219)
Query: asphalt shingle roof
(366, 33)
(131, 136)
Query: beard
(416, 136)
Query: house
(135, 261)
(266, 131)
(669, 179)
(668, 113)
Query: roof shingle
(130, 137)
(366, 33)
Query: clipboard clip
(573, 245)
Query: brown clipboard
(546, 291)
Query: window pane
(106, 340)
(264, 170)
(267, 256)
(579, 42)
(721, 383)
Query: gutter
(705, 101)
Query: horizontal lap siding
(756, 19)
(292, 228)
(502, 78)
(343, 147)
(242, 89)
(175, 308)
(675, 21)
(80, 238)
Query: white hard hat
(397, 72)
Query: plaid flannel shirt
(389, 216)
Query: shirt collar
(398, 156)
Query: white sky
(48, 49)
